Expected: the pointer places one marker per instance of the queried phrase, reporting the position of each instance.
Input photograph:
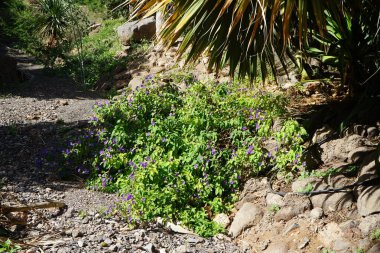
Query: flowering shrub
(183, 155)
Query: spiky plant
(252, 35)
(54, 19)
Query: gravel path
(35, 119)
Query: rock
(368, 168)
(137, 30)
(305, 241)
(254, 188)
(348, 224)
(182, 249)
(178, 229)
(332, 237)
(322, 133)
(63, 102)
(280, 247)
(274, 199)
(80, 243)
(294, 205)
(222, 219)
(359, 154)
(300, 184)
(316, 213)
(364, 244)
(331, 201)
(135, 82)
(375, 248)
(248, 215)
(113, 248)
(149, 247)
(76, 233)
(338, 150)
(369, 224)
(290, 227)
(369, 201)
(372, 132)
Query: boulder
(331, 201)
(332, 237)
(274, 199)
(369, 224)
(338, 150)
(254, 188)
(294, 205)
(222, 219)
(137, 30)
(248, 215)
(135, 82)
(375, 248)
(369, 201)
(280, 247)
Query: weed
(8, 247)
(375, 235)
(308, 188)
(274, 208)
(82, 214)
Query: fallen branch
(24, 208)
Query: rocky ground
(35, 118)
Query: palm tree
(252, 35)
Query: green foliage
(375, 235)
(274, 208)
(269, 32)
(308, 188)
(7, 247)
(327, 173)
(98, 54)
(182, 155)
(16, 22)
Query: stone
(113, 248)
(369, 224)
(254, 189)
(137, 30)
(369, 201)
(222, 219)
(300, 184)
(321, 134)
(280, 247)
(372, 132)
(332, 237)
(274, 199)
(294, 205)
(81, 243)
(367, 169)
(248, 215)
(331, 201)
(316, 213)
(76, 233)
(149, 247)
(305, 241)
(290, 227)
(359, 154)
(135, 82)
(338, 150)
(375, 248)
(364, 244)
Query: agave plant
(249, 35)
(54, 19)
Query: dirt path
(35, 119)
